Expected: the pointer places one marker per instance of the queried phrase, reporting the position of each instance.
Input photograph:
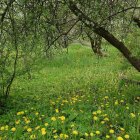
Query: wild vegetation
(69, 69)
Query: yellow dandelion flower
(29, 129)
(95, 118)
(55, 136)
(102, 122)
(43, 132)
(53, 118)
(98, 132)
(36, 113)
(127, 108)
(13, 129)
(61, 135)
(43, 129)
(99, 111)
(56, 110)
(27, 121)
(119, 138)
(111, 131)
(91, 134)
(17, 122)
(54, 131)
(132, 115)
(65, 136)
(126, 136)
(72, 125)
(106, 119)
(122, 129)
(94, 113)
(106, 97)
(86, 134)
(62, 118)
(40, 118)
(107, 136)
(75, 132)
(33, 137)
(6, 127)
(20, 113)
(36, 128)
(46, 124)
(122, 101)
(2, 128)
(116, 102)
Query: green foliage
(77, 90)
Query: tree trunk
(137, 21)
(134, 61)
(96, 44)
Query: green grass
(87, 92)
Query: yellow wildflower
(75, 132)
(99, 111)
(98, 132)
(62, 118)
(17, 122)
(102, 122)
(43, 129)
(54, 131)
(13, 129)
(94, 113)
(55, 137)
(119, 138)
(29, 129)
(91, 134)
(122, 129)
(33, 137)
(95, 118)
(36, 128)
(86, 134)
(53, 118)
(132, 115)
(65, 136)
(36, 113)
(106, 119)
(2, 128)
(72, 125)
(6, 127)
(56, 110)
(111, 131)
(127, 108)
(107, 136)
(20, 113)
(126, 136)
(46, 124)
(43, 132)
(116, 102)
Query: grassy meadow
(74, 96)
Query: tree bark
(134, 61)
(96, 44)
(137, 21)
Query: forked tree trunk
(133, 60)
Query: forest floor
(74, 96)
